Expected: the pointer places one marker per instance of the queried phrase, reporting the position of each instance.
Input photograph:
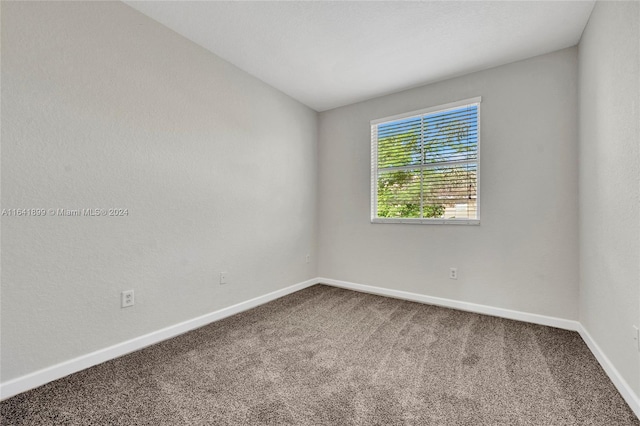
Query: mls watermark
(64, 212)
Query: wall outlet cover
(127, 298)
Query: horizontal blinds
(399, 193)
(399, 143)
(426, 165)
(450, 185)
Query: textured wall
(103, 107)
(523, 256)
(609, 58)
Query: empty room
(320, 213)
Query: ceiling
(332, 53)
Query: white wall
(103, 107)
(609, 58)
(523, 256)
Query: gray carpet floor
(327, 356)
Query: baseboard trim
(49, 374)
(619, 382)
(456, 304)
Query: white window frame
(374, 166)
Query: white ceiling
(328, 54)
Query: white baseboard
(620, 383)
(456, 304)
(46, 375)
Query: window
(425, 165)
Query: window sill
(428, 221)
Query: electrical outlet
(308, 258)
(636, 336)
(453, 273)
(223, 277)
(126, 298)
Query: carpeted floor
(327, 356)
